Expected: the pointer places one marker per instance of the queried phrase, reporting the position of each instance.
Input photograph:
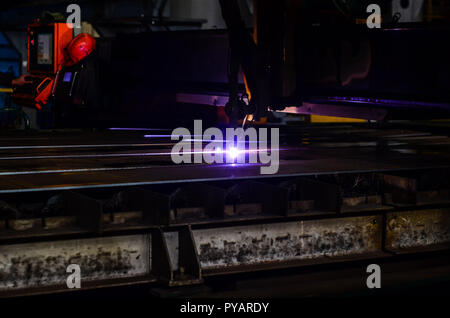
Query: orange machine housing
(46, 47)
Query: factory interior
(213, 150)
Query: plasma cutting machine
(322, 58)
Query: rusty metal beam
(284, 242)
(411, 230)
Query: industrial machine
(59, 69)
(46, 43)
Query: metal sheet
(126, 159)
(247, 245)
(45, 263)
(417, 228)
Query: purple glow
(142, 154)
(233, 152)
(170, 136)
(160, 136)
(218, 140)
(138, 129)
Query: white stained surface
(45, 263)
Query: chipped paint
(417, 228)
(279, 242)
(44, 264)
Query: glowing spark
(233, 152)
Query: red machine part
(79, 48)
(43, 92)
